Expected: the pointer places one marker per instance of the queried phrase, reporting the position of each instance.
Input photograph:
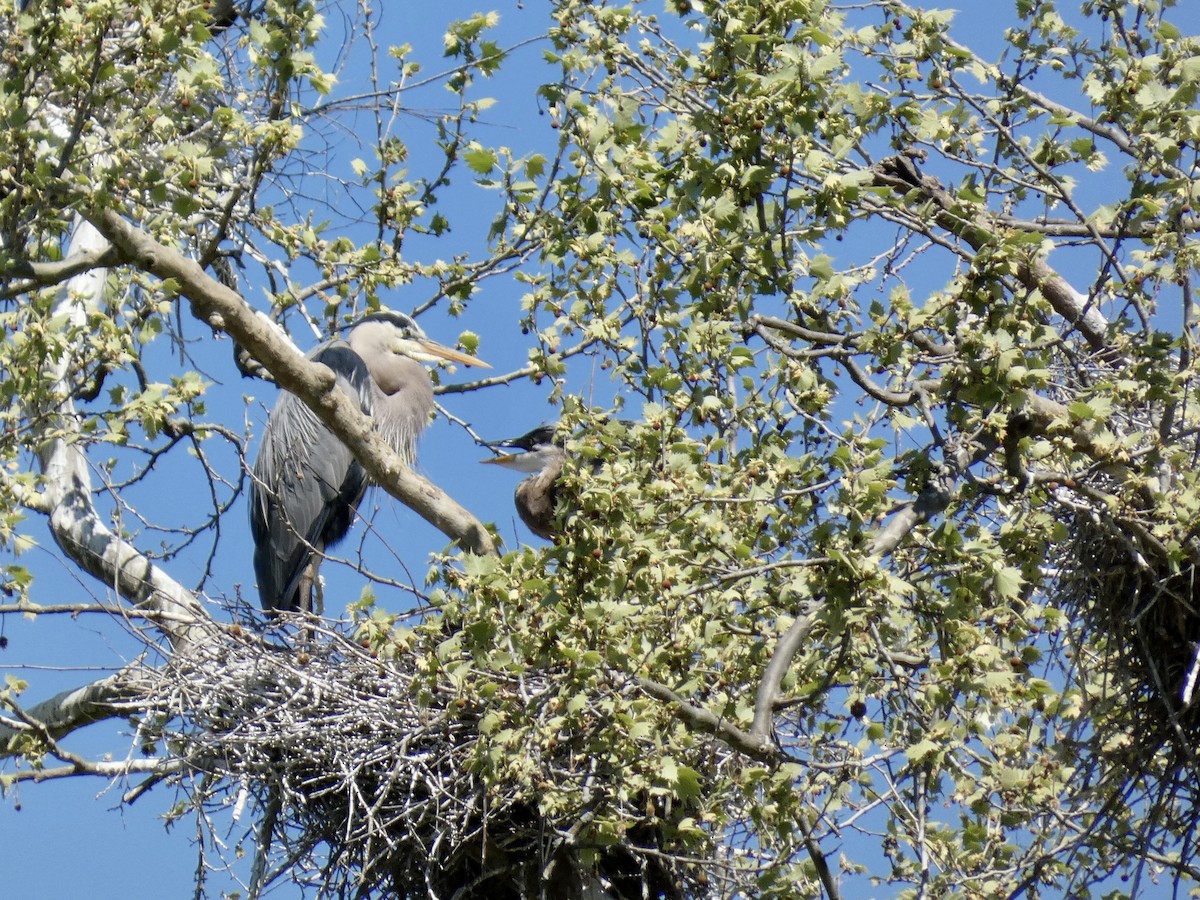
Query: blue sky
(72, 838)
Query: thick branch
(928, 504)
(74, 709)
(38, 274)
(900, 174)
(74, 521)
(102, 768)
(225, 310)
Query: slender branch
(932, 501)
(701, 719)
(758, 744)
(40, 274)
(1073, 228)
(799, 331)
(821, 864)
(25, 607)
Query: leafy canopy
(877, 551)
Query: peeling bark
(73, 709)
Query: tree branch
(313, 383)
(757, 744)
(74, 522)
(73, 709)
(901, 174)
(781, 660)
(701, 719)
(38, 274)
(101, 768)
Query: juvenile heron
(535, 496)
(307, 484)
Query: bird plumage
(536, 497)
(307, 485)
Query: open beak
(518, 462)
(508, 459)
(524, 461)
(503, 459)
(440, 351)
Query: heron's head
(381, 335)
(536, 450)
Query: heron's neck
(403, 404)
(401, 375)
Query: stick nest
(365, 781)
(1141, 611)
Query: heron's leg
(312, 588)
(304, 588)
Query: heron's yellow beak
(440, 351)
(533, 461)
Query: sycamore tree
(876, 552)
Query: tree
(876, 567)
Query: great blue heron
(307, 485)
(536, 496)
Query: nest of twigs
(1142, 611)
(364, 780)
(1138, 631)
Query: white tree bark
(74, 521)
(77, 526)
(72, 709)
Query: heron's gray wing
(306, 483)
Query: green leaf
(1007, 582)
(688, 784)
(480, 159)
(1189, 69)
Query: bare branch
(101, 768)
(1075, 229)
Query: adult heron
(536, 496)
(307, 484)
